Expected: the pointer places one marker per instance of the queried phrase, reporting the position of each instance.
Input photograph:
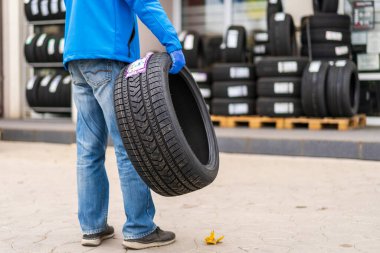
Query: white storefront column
(13, 37)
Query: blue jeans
(93, 95)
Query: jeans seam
(93, 231)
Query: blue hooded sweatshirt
(107, 29)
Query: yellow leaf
(211, 239)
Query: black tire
(261, 50)
(54, 9)
(51, 49)
(233, 89)
(273, 7)
(206, 91)
(279, 107)
(54, 94)
(65, 91)
(166, 128)
(211, 47)
(201, 76)
(232, 107)
(192, 49)
(236, 44)
(32, 90)
(323, 51)
(279, 87)
(326, 6)
(44, 9)
(319, 36)
(29, 48)
(314, 89)
(43, 91)
(233, 72)
(327, 21)
(343, 90)
(59, 49)
(32, 11)
(62, 10)
(281, 66)
(41, 48)
(282, 35)
(260, 37)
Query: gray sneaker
(155, 239)
(94, 240)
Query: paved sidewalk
(260, 203)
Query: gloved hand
(178, 60)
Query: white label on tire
(41, 40)
(262, 37)
(334, 36)
(273, 1)
(139, 66)
(31, 82)
(44, 8)
(373, 42)
(29, 39)
(34, 7)
(241, 108)
(340, 63)
(54, 84)
(284, 88)
(51, 47)
(61, 45)
(237, 91)
(45, 81)
(359, 38)
(283, 108)
(54, 6)
(189, 42)
(239, 72)
(279, 17)
(287, 67)
(67, 80)
(182, 36)
(206, 93)
(232, 38)
(259, 49)
(63, 6)
(199, 77)
(341, 50)
(315, 66)
(368, 62)
(26, 1)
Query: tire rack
(53, 27)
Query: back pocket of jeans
(96, 72)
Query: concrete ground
(259, 203)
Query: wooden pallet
(342, 124)
(249, 121)
(255, 122)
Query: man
(100, 37)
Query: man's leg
(138, 203)
(91, 134)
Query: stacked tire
(39, 10)
(326, 35)
(279, 86)
(330, 89)
(282, 37)
(44, 47)
(261, 46)
(52, 91)
(233, 87)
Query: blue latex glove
(178, 60)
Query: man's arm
(154, 17)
